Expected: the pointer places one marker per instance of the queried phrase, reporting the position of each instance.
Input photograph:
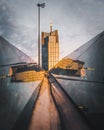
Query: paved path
(45, 115)
(52, 109)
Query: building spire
(51, 25)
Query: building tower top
(51, 25)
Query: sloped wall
(13, 96)
(91, 91)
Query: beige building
(50, 49)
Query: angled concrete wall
(89, 93)
(13, 96)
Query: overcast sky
(77, 21)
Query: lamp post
(42, 6)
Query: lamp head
(41, 5)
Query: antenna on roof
(51, 25)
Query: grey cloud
(76, 20)
(20, 35)
(5, 19)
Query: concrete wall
(13, 96)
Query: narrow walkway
(45, 115)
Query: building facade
(50, 49)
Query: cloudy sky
(77, 21)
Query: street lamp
(42, 6)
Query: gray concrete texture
(89, 91)
(13, 96)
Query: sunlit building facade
(50, 49)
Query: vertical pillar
(39, 36)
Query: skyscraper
(50, 49)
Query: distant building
(50, 49)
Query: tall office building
(50, 49)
